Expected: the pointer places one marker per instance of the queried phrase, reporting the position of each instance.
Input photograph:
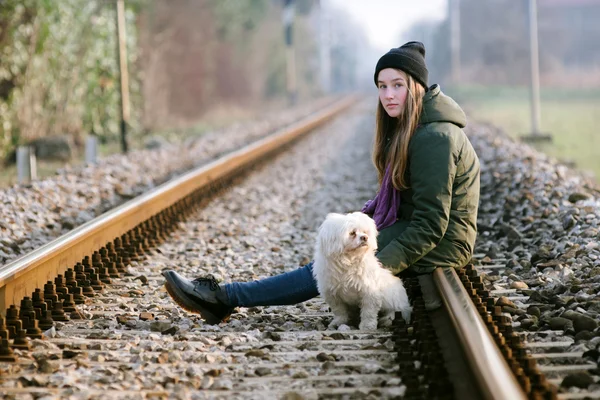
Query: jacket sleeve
(432, 167)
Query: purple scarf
(384, 207)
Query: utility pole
(325, 48)
(288, 24)
(124, 77)
(535, 134)
(535, 69)
(454, 14)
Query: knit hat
(409, 58)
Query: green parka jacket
(437, 219)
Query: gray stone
(527, 323)
(262, 371)
(255, 353)
(160, 326)
(593, 306)
(533, 310)
(52, 148)
(568, 222)
(504, 301)
(558, 323)
(584, 335)
(519, 285)
(300, 375)
(570, 314)
(578, 379)
(513, 310)
(577, 196)
(584, 323)
(222, 384)
(325, 357)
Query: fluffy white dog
(349, 276)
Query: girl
(426, 207)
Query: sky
(385, 20)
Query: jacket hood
(437, 107)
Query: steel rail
(494, 376)
(22, 276)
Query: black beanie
(409, 58)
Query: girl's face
(392, 84)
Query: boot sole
(184, 302)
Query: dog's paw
(406, 313)
(367, 325)
(337, 321)
(385, 321)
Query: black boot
(202, 296)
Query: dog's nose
(364, 238)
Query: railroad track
(116, 334)
(554, 350)
(553, 343)
(539, 274)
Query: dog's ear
(330, 239)
(374, 231)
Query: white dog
(349, 276)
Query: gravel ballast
(541, 222)
(37, 213)
(540, 217)
(137, 335)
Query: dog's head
(352, 235)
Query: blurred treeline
(59, 71)
(494, 38)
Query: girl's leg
(215, 303)
(288, 288)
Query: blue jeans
(288, 288)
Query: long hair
(392, 135)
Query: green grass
(571, 116)
(8, 174)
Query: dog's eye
(353, 233)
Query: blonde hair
(392, 135)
